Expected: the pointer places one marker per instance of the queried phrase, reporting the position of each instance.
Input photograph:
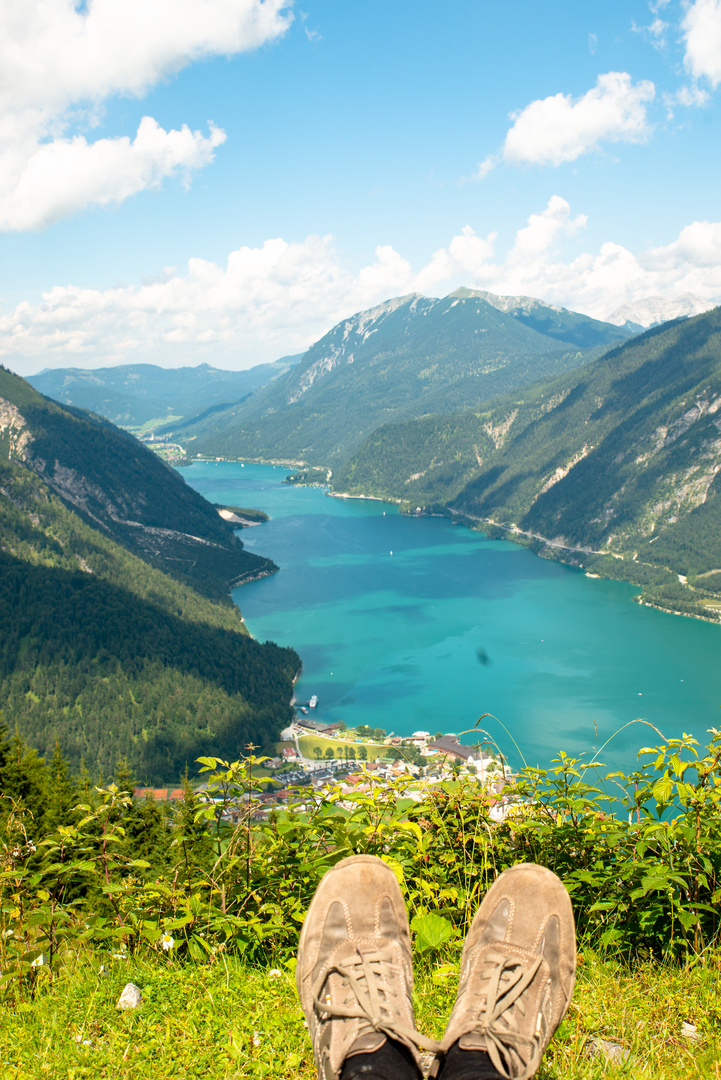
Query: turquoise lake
(414, 623)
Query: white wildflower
(167, 941)
(256, 1039)
(274, 973)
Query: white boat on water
(313, 701)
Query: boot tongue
(472, 1041)
(367, 1044)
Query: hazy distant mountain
(406, 357)
(134, 394)
(656, 309)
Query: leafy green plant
(432, 932)
(639, 854)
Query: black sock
(467, 1065)
(391, 1061)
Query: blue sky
(223, 180)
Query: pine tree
(24, 779)
(63, 793)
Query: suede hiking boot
(517, 971)
(354, 973)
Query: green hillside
(621, 456)
(101, 651)
(405, 358)
(122, 489)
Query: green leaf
(663, 789)
(432, 931)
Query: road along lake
(410, 623)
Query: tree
(329, 753)
(23, 777)
(362, 753)
(63, 792)
(318, 752)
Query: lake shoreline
(457, 626)
(551, 549)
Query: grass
(228, 1020)
(308, 744)
(158, 421)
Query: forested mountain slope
(133, 395)
(122, 489)
(101, 651)
(620, 456)
(407, 357)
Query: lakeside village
(314, 756)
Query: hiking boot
(354, 973)
(517, 971)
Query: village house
(450, 747)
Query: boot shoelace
(508, 978)
(363, 975)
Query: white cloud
(57, 57)
(701, 27)
(692, 95)
(543, 230)
(280, 297)
(486, 166)
(264, 302)
(656, 31)
(557, 129)
(68, 174)
(698, 245)
(466, 256)
(593, 283)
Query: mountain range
(557, 428)
(404, 358)
(614, 465)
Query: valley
(593, 443)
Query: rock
(690, 1031)
(608, 1051)
(130, 998)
